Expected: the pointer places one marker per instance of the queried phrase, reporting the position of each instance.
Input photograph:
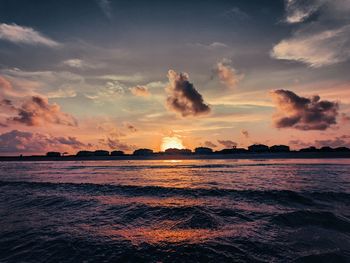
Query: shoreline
(290, 155)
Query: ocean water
(175, 211)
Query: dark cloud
(245, 133)
(37, 111)
(210, 144)
(302, 113)
(183, 98)
(26, 142)
(228, 143)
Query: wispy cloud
(77, 63)
(141, 91)
(320, 40)
(227, 74)
(25, 35)
(62, 93)
(106, 8)
(299, 10)
(316, 49)
(110, 91)
(212, 46)
(237, 14)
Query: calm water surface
(175, 211)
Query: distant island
(253, 151)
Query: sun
(171, 142)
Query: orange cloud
(37, 111)
(227, 75)
(140, 91)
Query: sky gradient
(121, 75)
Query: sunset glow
(171, 142)
(174, 131)
(98, 80)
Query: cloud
(245, 133)
(24, 35)
(37, 111)
(228, 143)
(212, 46)
(77, 63)
(125, 78)
(227, 75)
(299, 10)
(116, 144)
(210, 144)
(320, 40)
(345, 118)
(112, 89)
(303, 113)
(217, 45)
(52, 84)
(74, 63)
(26, 142)
(140, 91)
(237, 14)
(315, 49)
(183, 98)
(130, 127)
(106, 8)
(71, 141)
(298, 144)
(340, 141)
(5, 84)
(62, 93)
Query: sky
(122, 75)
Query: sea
(262, 210)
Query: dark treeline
(255, 148)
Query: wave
(324, 219)
(326, 257)
(191, 166)
(281, 196)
